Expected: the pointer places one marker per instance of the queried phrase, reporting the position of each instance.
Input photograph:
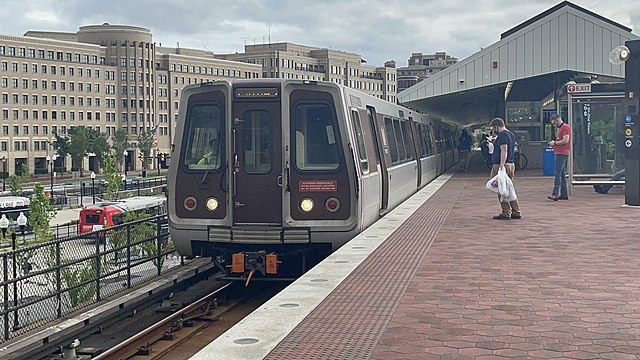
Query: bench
(598, 182)
(592, 175)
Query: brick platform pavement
(451, 283)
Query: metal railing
(47, 281)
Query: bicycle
(520, 161)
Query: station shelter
(556, 62)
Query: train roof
(132, 203)
(13, 201)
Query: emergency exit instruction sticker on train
(318, 185)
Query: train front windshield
(204, 140)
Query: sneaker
(502, 217)
(516, 216)
(553, 197)
(600, 190)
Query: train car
(270, 173)
(109, 213)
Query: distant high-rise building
(422, 66)
(293, 61)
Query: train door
(383, 173)
(256, 157)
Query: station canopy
(531, 62)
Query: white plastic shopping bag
(502, 184)
(505, 186)
(492, 184)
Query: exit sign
(578, 88)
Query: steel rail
(157, 331)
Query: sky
(379, 30)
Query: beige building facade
(293, 61)
(421, 66)
(108, 77)
(104, 77)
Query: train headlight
(306, 205)
(212, 204)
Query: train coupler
(255, 261)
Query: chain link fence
(47, 281)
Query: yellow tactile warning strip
(364, 303)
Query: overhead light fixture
(507, 90)
(619, 55)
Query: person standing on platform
(464, 147)
(503, 157)
(561, 147)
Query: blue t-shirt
(504, 137)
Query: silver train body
(273, 166)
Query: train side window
(393, 147)
(426, 139)
(406, 135)
(204, 138)
(374, 133)
(397, 129)
(315, 137)
(362, 152)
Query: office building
(293, 61)
(422, 66)
(104, 77)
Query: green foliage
(40, 213)
(74, 275)
(146, 141)
(143, 236)
(112, 176)
(78, 146)
(17, 181)
(119, 143)
(98, 144)
(62, 145)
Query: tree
(78, 146)
(61, 144)
(112, 177)
(146, 141)
(98, 144)
(40, 213)
(119, 143)
(17, 181)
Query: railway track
(206, 318)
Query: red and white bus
(109, 213)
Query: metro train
(271, 175)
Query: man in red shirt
(561, 147)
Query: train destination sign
(318, 185)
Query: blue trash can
(548, 162)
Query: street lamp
(124, 153)
(51, 160)
(93, 186)
(4, 173)
(22, 222)
(4, 224)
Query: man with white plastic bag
(502, 172)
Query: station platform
(438, 278)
